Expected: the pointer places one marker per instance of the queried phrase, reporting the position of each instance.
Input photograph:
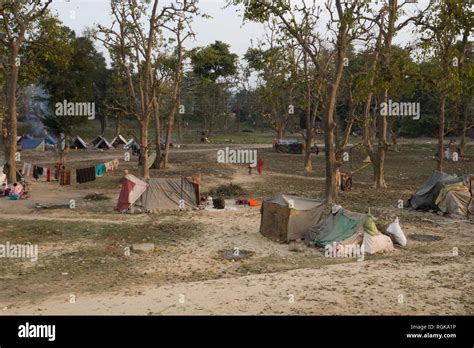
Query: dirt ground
(83, 267)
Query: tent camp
(449, 194)
(78, 143)
(118, 141)
(103, 144)
(286, 218)
(344, 227)
(32, 144)
(151, 195)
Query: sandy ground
(424, 278)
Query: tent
(49, 140)
(346, 228)
(129, 144)
(286, 218)
(103, 144)
(150, 195)
(343, 227)
(132, 189)
(32, 144)
(78, 143)
(119, 140)
(425, 197)
(292, 146)
(456, 198)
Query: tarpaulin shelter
(425, 197)
(78, 143)
(119, 140)
(50, 140)
(344, 227)
(32, 144)
(103, 144)
(155, 194)
(286, 218)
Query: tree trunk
(144, 170)
(462, 145)
(118, 125)
(12, 82)
(157, 133)
(441, 132)
(381, 150)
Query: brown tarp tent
(286, 218)
(166, 194)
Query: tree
(17, 19)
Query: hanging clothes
(64, 177)
(35, 172)
(115, 164)
(27, 167)
(99, 170)
(85, 175)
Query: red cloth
(260, 166)
(123, 201)
(48, 175)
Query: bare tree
(16, 19)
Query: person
(4, 189)
(260, 166)
(16, 192)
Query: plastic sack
(377, 244)
(395, 230)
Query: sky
(225, 24)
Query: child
(16, 192)
(3, 189)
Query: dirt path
(330, 290)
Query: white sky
(225, 24)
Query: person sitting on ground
(3, 189)
(16, 192)
(6, 190)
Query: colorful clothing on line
(99, 170)
(65, 177)
(85, 175)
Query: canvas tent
(449, 194)
(118, 141)
(425, 197)
(129, 144)
(32, 144)
(151, 195)
(286, 218)
(78, 143)
(103, 144)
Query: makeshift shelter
(346, 228)
(343, 227)
(292, 146)
(32, 144)
(132, 189)
(425, 197)
(118, 141)
(455, 199)
(129, 144)
(50, 140)
(103, 144)
(286, 218)
(78, 143)
(151, 195)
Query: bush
(227, 191)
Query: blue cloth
(100, 169)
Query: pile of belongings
(343, 228)
(446, 194)
(292, 146)
(249, 202)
